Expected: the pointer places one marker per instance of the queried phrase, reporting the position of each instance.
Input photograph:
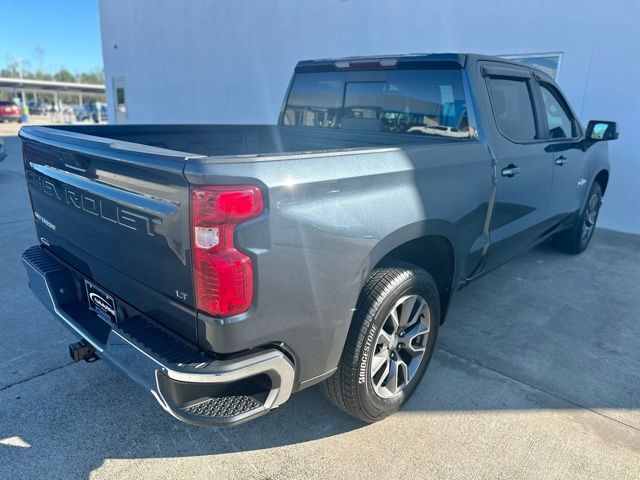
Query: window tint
(559, 119)
(417, 102)
(363, 105)
(315, 100)
(513, 108)
(428, 102)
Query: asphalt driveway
(537, 375)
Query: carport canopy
(49, 86)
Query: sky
(67, 30)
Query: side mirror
(600, 130)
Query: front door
(570, 170)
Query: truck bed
(261, 140)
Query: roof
(49, 85)
(458, 60)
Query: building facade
(203, 61)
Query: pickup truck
(225, 267)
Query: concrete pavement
(537, 375)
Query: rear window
(417, 102)
(5, 103)
(315, 100)
(513, 108)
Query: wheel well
(603, 178)
(433, 253)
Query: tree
(96, 76)
(64, 75)
(39, 54)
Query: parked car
(36, 108)
(10, 111)
(99, 115)
(91, 111)
(80, 113)
(3, 151)
(225, 267)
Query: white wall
(230, 62)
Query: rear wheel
(577, 239)
(390, 343)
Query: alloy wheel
(400, 346)
(591, 215)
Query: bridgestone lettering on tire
(390, 343)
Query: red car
(10, 111)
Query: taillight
(223, 276)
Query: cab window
(560, 122)
(429, 102)
(513, 108)
(315, 100)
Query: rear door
(524, 166)
(119, 213)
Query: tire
(359, 387)
(577, 238)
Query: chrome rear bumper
(189, 385)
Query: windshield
(419, 102)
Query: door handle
(561, 160)
(510, 170)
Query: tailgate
(119, 213)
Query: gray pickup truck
(225, 267)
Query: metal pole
(24, 101)
(80, 98)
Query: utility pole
(24, 100)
